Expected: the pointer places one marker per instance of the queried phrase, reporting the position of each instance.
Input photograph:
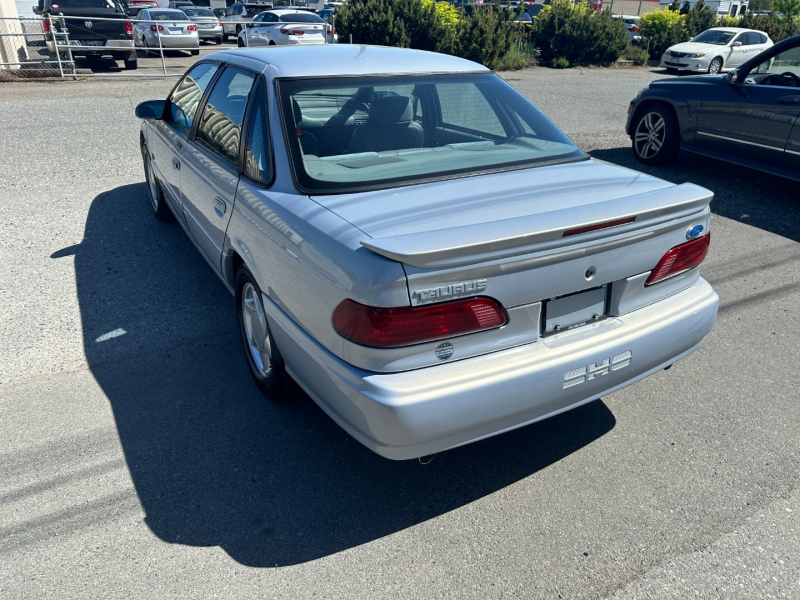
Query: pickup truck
(95, 28)
(239, 14)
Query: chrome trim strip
(792, 152)
(722, 137)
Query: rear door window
(184, 100)
(220, 125)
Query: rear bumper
(420, 412)
(78, 48)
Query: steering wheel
(790, 79)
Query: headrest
(390, 110)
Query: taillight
(292, 31)
(191, 28)
(394, 327)
(156, 28)
(128, 28)
(46, 25)
(634, 28)
(219, 23)
(680, 259)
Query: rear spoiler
(544, 231)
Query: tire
(263, 357)
(715, 66)
(157, 201)
(271, 43)
(195, 52)
(240, 43)
(131, 64)
(220, 39)
(656, 139)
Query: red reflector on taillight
(605, 225)
(128, 28)
(680, 259)
(285, 31)
(219, 23)
(46, 25)
(394, 327)
(191, 28)
(634, 28)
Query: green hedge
(578, 34)
(489, 36)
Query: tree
(662, 29)
(700, 18)
(578, 34)
(757, 6)
(789, 9)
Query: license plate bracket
(573, 311)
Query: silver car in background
(209, 27)
(423, 251)
(166, 28)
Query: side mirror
(735, 44)
(151, 109)
(732, 77)
(691, 38)
(36, 10)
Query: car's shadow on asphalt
(271, 481)
(765, 201)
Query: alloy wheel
(256, 330)
(151, 184)
(650, 134)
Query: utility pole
(12, 47)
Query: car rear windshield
(300, 18)
(358, 133)
(168, 15)
(198, 12)
(718, 38)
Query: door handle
(176, 164)
(179, 144)
(789, 100)
(220, 206)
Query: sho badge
(444, 351)
(589, 372)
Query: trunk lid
(522, 237)
(484, 200)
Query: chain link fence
(42, 47)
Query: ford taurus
(417, 245)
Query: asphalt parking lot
(138, 459)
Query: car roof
(345, 59)
(731, 29)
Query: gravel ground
(147, 464)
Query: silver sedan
(418, 246)
(209, 27)
(166, 28)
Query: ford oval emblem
(694, 231)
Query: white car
(285, 28)
(715, 50)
